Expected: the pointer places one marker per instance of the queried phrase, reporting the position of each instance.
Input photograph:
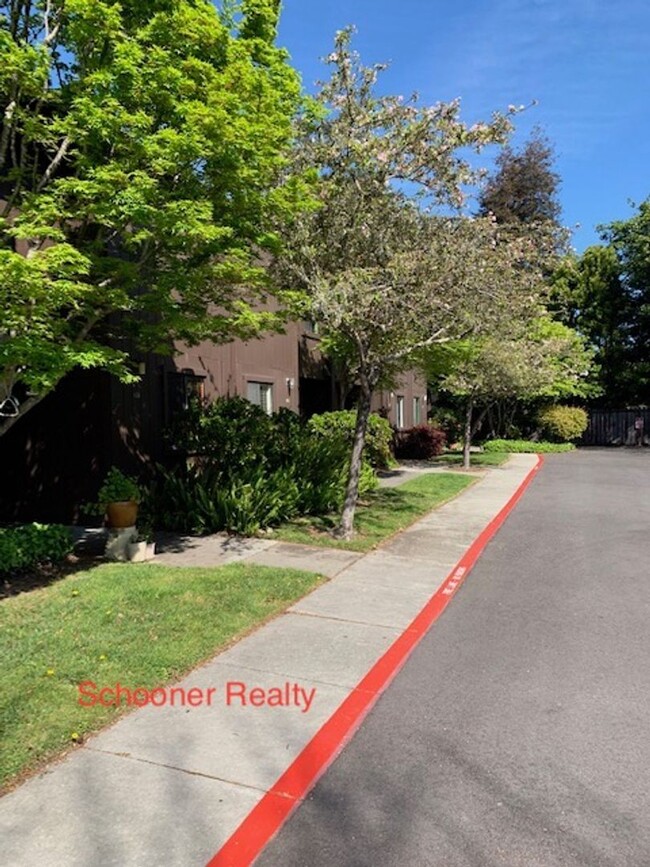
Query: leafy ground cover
(526, 446)
(139, 625)
(380, 514)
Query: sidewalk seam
(132, 758)
(341, 619)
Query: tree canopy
(524, 359)
(524, 188)
(140, 150)
(605, 294)
(374, 261)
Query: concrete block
(118, 542)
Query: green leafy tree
(140, 148)
(383, 276)
(588, 293)
(541, 358)
(630, 242)
(523, 191)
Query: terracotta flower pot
(122, 514)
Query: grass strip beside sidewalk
(140, 625)
(380, 514)
(478, 459)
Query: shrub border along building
(30, 545)
(243, 470)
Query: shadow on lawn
(33, 579)
(381, 498)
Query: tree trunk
(492, 422)
(511, 419)
(467, 440)
(345, 529)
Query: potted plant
(118, 499)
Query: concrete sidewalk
(169, 785)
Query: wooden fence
(615, 427)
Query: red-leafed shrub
(421, 442)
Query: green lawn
(141, 625)
(381, 514)
(480, 459)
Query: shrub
(253, 471)
(197, 501)
(342, 423)
(202, 500)
(450, 423)
(526, 446)
(230, 433)
(563, 423)
(421, 442)
(29, 545)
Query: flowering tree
(526, 360)
(374, 265)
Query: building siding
(55, 459)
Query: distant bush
(249, 471)
(29, 545)
(449, 422)
(563, 423)
(342, 423)
(526, 446)
(421, 442)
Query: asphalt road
(518, 733)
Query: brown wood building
(54, 459)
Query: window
(261, 394)
(417, 414)
(182, 388)
(399, 411)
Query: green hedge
(251, 470)
(31, 544)
(342, 423)
(526, 446)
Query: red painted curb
(268, 816)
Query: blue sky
(587, 62)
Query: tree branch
(7, 423)
(7, 127)
(56, 161)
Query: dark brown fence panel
(615, 427)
